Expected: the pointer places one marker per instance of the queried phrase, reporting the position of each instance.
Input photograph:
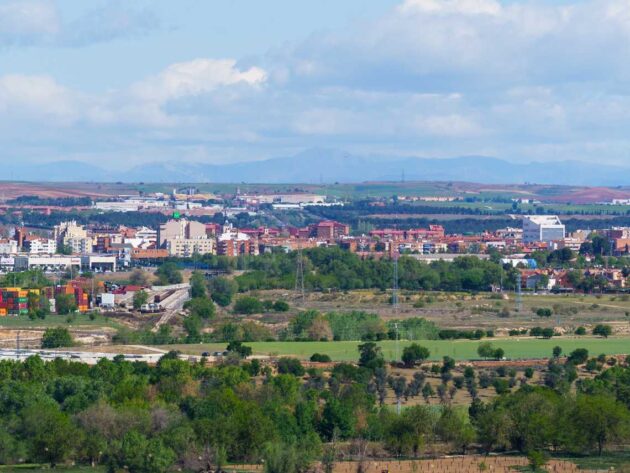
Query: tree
(65, 304)
(602, 330)
(281, 306)
(292, 366)
(414, 354)
(248, 305)
(197, 285)
(241, 350)
(537, 459)
(485, 350)
(498, 354)
(38, 305)
(600, 419)
(201, 307)
(192, 324)
(56, 338)
(320, 358)
(139, 299)
(454, 427)
(222, 290)
(448, 364)
(547, 332)
(284, 458)
(427, 392)
(169, 273)
(370, 356)
(141, 455)
(557, 351)
(578, 356)
(50, 432)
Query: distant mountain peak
(321, 164)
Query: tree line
(191, 417)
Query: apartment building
(184, 238)
(73, 235)
(8, 247)
(234, 243)
(37, 246)
(180, 229)
(186, 247)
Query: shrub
(56, 338)
(248, 305)
(320, 358)
(580, 331)
(281, 306)
(501, 386)
(414, 353)
(578, 356)
(602, 330)
(291, 366)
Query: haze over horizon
(116, 85)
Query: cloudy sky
(123, 82)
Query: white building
(542, 228)
(8, 247)
(41, 246)
(47, 263)
(99, 262)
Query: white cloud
(40, 23)
(196, 77)
(432, 77)
(26, 22)
(464, 7)
(37, 96)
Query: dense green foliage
(334, 268)
(56, 338)
(190, 417)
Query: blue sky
(125, 83)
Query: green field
(515, 348)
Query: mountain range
(327, 166)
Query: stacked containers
(13, 301)
(81, 298)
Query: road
(171, 306)
(90, 358)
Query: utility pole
(299, 273)
(397, 341)
(395, 285)
(519, 292)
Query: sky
(120, 83)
